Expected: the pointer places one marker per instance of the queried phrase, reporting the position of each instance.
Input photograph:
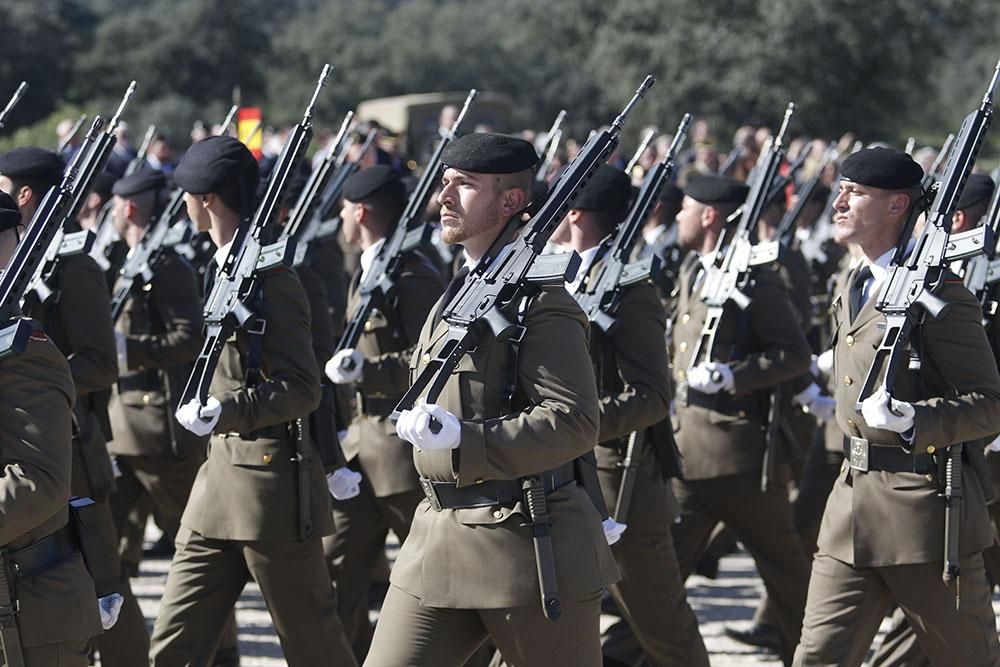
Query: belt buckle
(859, 454)
(431, 494)
(681, 395)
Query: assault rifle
(729, 275)
(88, 162)
(981, 272)
(786, 228)
(141, 262)
(37, 254)
(600, 299)
(908, 296)
(64, 142)
(105, 232)
(238, 279)
(552, 139)
(486, 305)
(326, 213)
(379, 280)
(643, 145)
(15, 98)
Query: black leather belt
(447, 495)
(868, 456)
(722, 401)
(43, 554)
(378, 407)
(141, 381)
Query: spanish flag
(250, 129)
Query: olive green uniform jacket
(36, 401)
(885, 518)
(247, 489)
(482, 558)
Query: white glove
(345, 367)
(344, 483)
(994, 446)
(121, 349)
(612, 530)
(115, 468)
(881, 410)
(823, 408)
(414, 426)
(110, 606)
(824, 362)
(710, 378)
(199, 419)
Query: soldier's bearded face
(689, 228)
(470, 205)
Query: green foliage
(884, 70)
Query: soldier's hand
(613, 530)
(710, 378)
(815, 403)
(345, 366)
(121, 349)
(110, 606)
(881, 410)
(824, 362)
(429, 427)
(344, 483)
(199, 419)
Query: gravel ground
(728, 600)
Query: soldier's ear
(24, 195)
(709, 216)
(959, 222)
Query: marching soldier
(882, 536)
(36, 401)
(900, 645)
(374, 199)
(722, 406)
(79, 323)
(241, 517)
(158, 336)
(630, 364)
(467, 571)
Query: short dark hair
(238, 194)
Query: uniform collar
(368, 256)
(586, 261)
(223, 252)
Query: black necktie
(210, 270)
(453, 287)
(858, 290)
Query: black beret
(978, 188)
(379, 180)
(609, 189)
(717, 190)
(214, 161)
(103, 184)
(9, 214)
(141, 180)
(884, 168)
(490, 153)
(671, 194)
(30, 163)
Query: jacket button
(426, 358)
(850, 422)
(266, 458)
(848, 381)
(742, 414)
(849, 340)
(498, 514)
(479, 481)
(682, 375)
(368, 325)
(929, 478)
(146, 399)
(685, 318)
(931, 449)
(683, 346)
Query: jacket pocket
(262, 453)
